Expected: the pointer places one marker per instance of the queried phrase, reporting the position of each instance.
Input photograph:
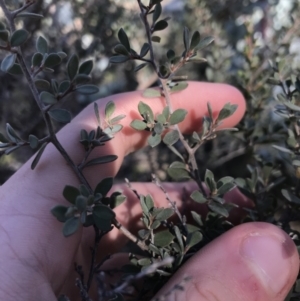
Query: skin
(254, 261)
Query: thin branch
(25, 6)
(172, 203)
(190, 151)
(144, 13)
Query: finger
(253, 261)
(194, 99)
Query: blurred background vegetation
(247, 34)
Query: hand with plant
(254, 261)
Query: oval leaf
(103, 217)
(138, 125)
(101, 160)
(177, 116)
(124, 39)
(87, 89)
(72, 66)
(171, 137)
(42, 45)
(19, 37)
(8, 62)
(47, 98)
(86, 67)
(163, 238)
(60, 115)
(38, 156)
(71, 226)
(52, 60)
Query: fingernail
(266, 258)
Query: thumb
(253, 261)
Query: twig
(147, 271)
(172, 203)
(190, 151)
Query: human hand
(254, 261)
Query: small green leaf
(179, 237)
(47, 98)
(156, 13)
(104, 186)
(70, 193)
(154, 140)
(179, 87)
(205, 42)
(195, 40)
(96, 110)
(72, 66)
(163, 238)
(138, 125)
(4, 34)
(155, 39)
(81, 203)
(166, 112)
(124, 39)
(86, 67)
(177, 116)
(198, 197)
(193, 239)
(290, 196)
(15, 70)
(149, 202)
(161, 119)
(38, 156)
(117, 199)
(226, 188)
(101, 160)
(160, 25)
(82, 79)
(19, 37)
(109, 109)
(12, 135)
(8, 62)
(158, 128)
(103, 217)
(59, 212)
(71, 226)
(218, 208)
(171, 55)
(144, 233)
(42, 45)
(146, 111)
(87, 89)
(52, 60)
(164, 214)
(64, 86)
(42, 84)
(197, 218)
(117, 59)
(226, 111)
(117, 118)
(60, 115)
(171, 137)
(209, 109)
(145, 49)
(33, 141)
(62, 55)
(177, 171)
(151, 93)
(210, 181)
(186, 38)
(37, 59)
(121, 49)
(29, 15)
